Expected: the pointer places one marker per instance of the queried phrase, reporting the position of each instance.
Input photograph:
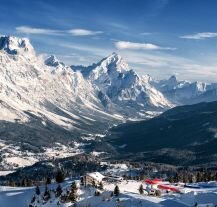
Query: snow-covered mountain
(186, 92)
(32, 83)
(29, 84)
(123, 87)
(43, 101)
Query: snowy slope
(129, 197)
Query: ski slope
(129, 196)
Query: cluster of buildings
(97, 178)
(158, 184)
(151, 184)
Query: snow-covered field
(13, 157)
(129, 196)
(5, 172)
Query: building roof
(96, 175)
(169, 187)
(154, 181)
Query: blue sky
(158, 37)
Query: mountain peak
(14, 45)
(53, 61)
(173, 79)
(115, 55)
(114, 62)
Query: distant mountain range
(186, 92)
(43, 100)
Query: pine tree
(101, 186)
(185, 178)
(141, 189)
(206, 176)
(45, 190)
(209, 176)
(190, 178)
(158, 193)
(142, 176)
(33, 199)
(28, 182)
(97, 193)
(199, 177)
(73, 196)
(116, 190)
(59, 190)
(59, 176)
(46, 196)
(74, 186)
(37, 190)
(176, 178)
(48, 181)
(171, 180)
(12, 183)
(23, 183)
(82, 180)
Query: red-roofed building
(154, 181)
(169, 188)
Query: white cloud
(139, 46)
(31, 30)
(162, 65)
(73, 32)
(83, 32)
(145, 33)
(200, 36)
(102, 52)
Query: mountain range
(43, 100)
(186, 92)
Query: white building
(94, 177)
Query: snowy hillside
(129, 196)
